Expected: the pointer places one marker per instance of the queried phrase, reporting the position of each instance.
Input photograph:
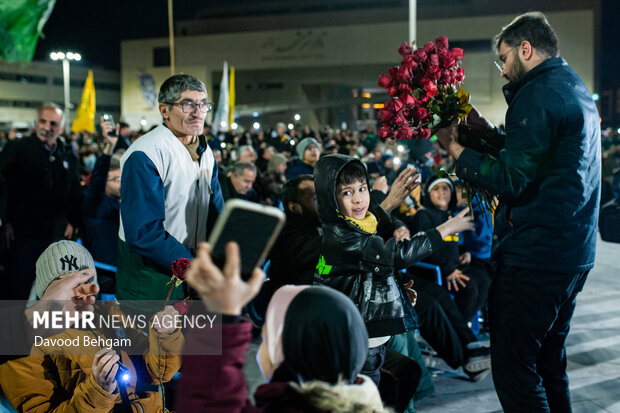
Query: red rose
(407, 99)
(420, 55)
(404, 74)
(428, 47)
(421, 113)
(431, 89)
(385, 132)
(445, 76)
(447, 60)
(409, 62)
(460, 74)
(384, 115)
(394, 105)
(434, 60)
(405, 49)
(385, 81)
(404, 133)
(405, 88)
(399, 118)
(425, 133)
(392, 71)
(182, 306)
(433, 72)
(179, 267)
(441, 42)
(393, 91)
(458, 53)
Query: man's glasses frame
(189, 106)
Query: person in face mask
(315, 344)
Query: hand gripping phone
(253, 226)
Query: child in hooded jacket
(361, 264)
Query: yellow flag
(231, 96)
(85, 119)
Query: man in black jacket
(548, 180)
(43, 198)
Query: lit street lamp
(66, 58)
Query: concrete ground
(593, 348)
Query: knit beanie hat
(59, 258)
(303, 144)
(275, 161)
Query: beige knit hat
(59, 258)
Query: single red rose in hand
(385, 81)
(182, 306)
(441, 42)
(405, 49)
(179, 267)
(385, 132)
(404, 133)
(458, 53)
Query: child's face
(353, 199)
(440, 196)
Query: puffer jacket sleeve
(419, 247)
(29, 384)
(163, 358)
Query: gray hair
(171, 89)
(240, 167)
(52, 105)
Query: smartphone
(412, 166)
(253, 226)
(108, 118)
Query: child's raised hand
(461, 222)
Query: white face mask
(89, 162)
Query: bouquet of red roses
(425, 91)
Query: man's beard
(517, 70)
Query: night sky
(96, 28)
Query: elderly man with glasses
(170, 195)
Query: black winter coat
(548, 175)
(362, 265)
(43, 187)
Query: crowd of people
(345, 291)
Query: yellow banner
(231, 97)
(85, 119)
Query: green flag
(21, 25)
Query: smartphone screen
(253, 230)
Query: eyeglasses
(502, 58)
(190, 107)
